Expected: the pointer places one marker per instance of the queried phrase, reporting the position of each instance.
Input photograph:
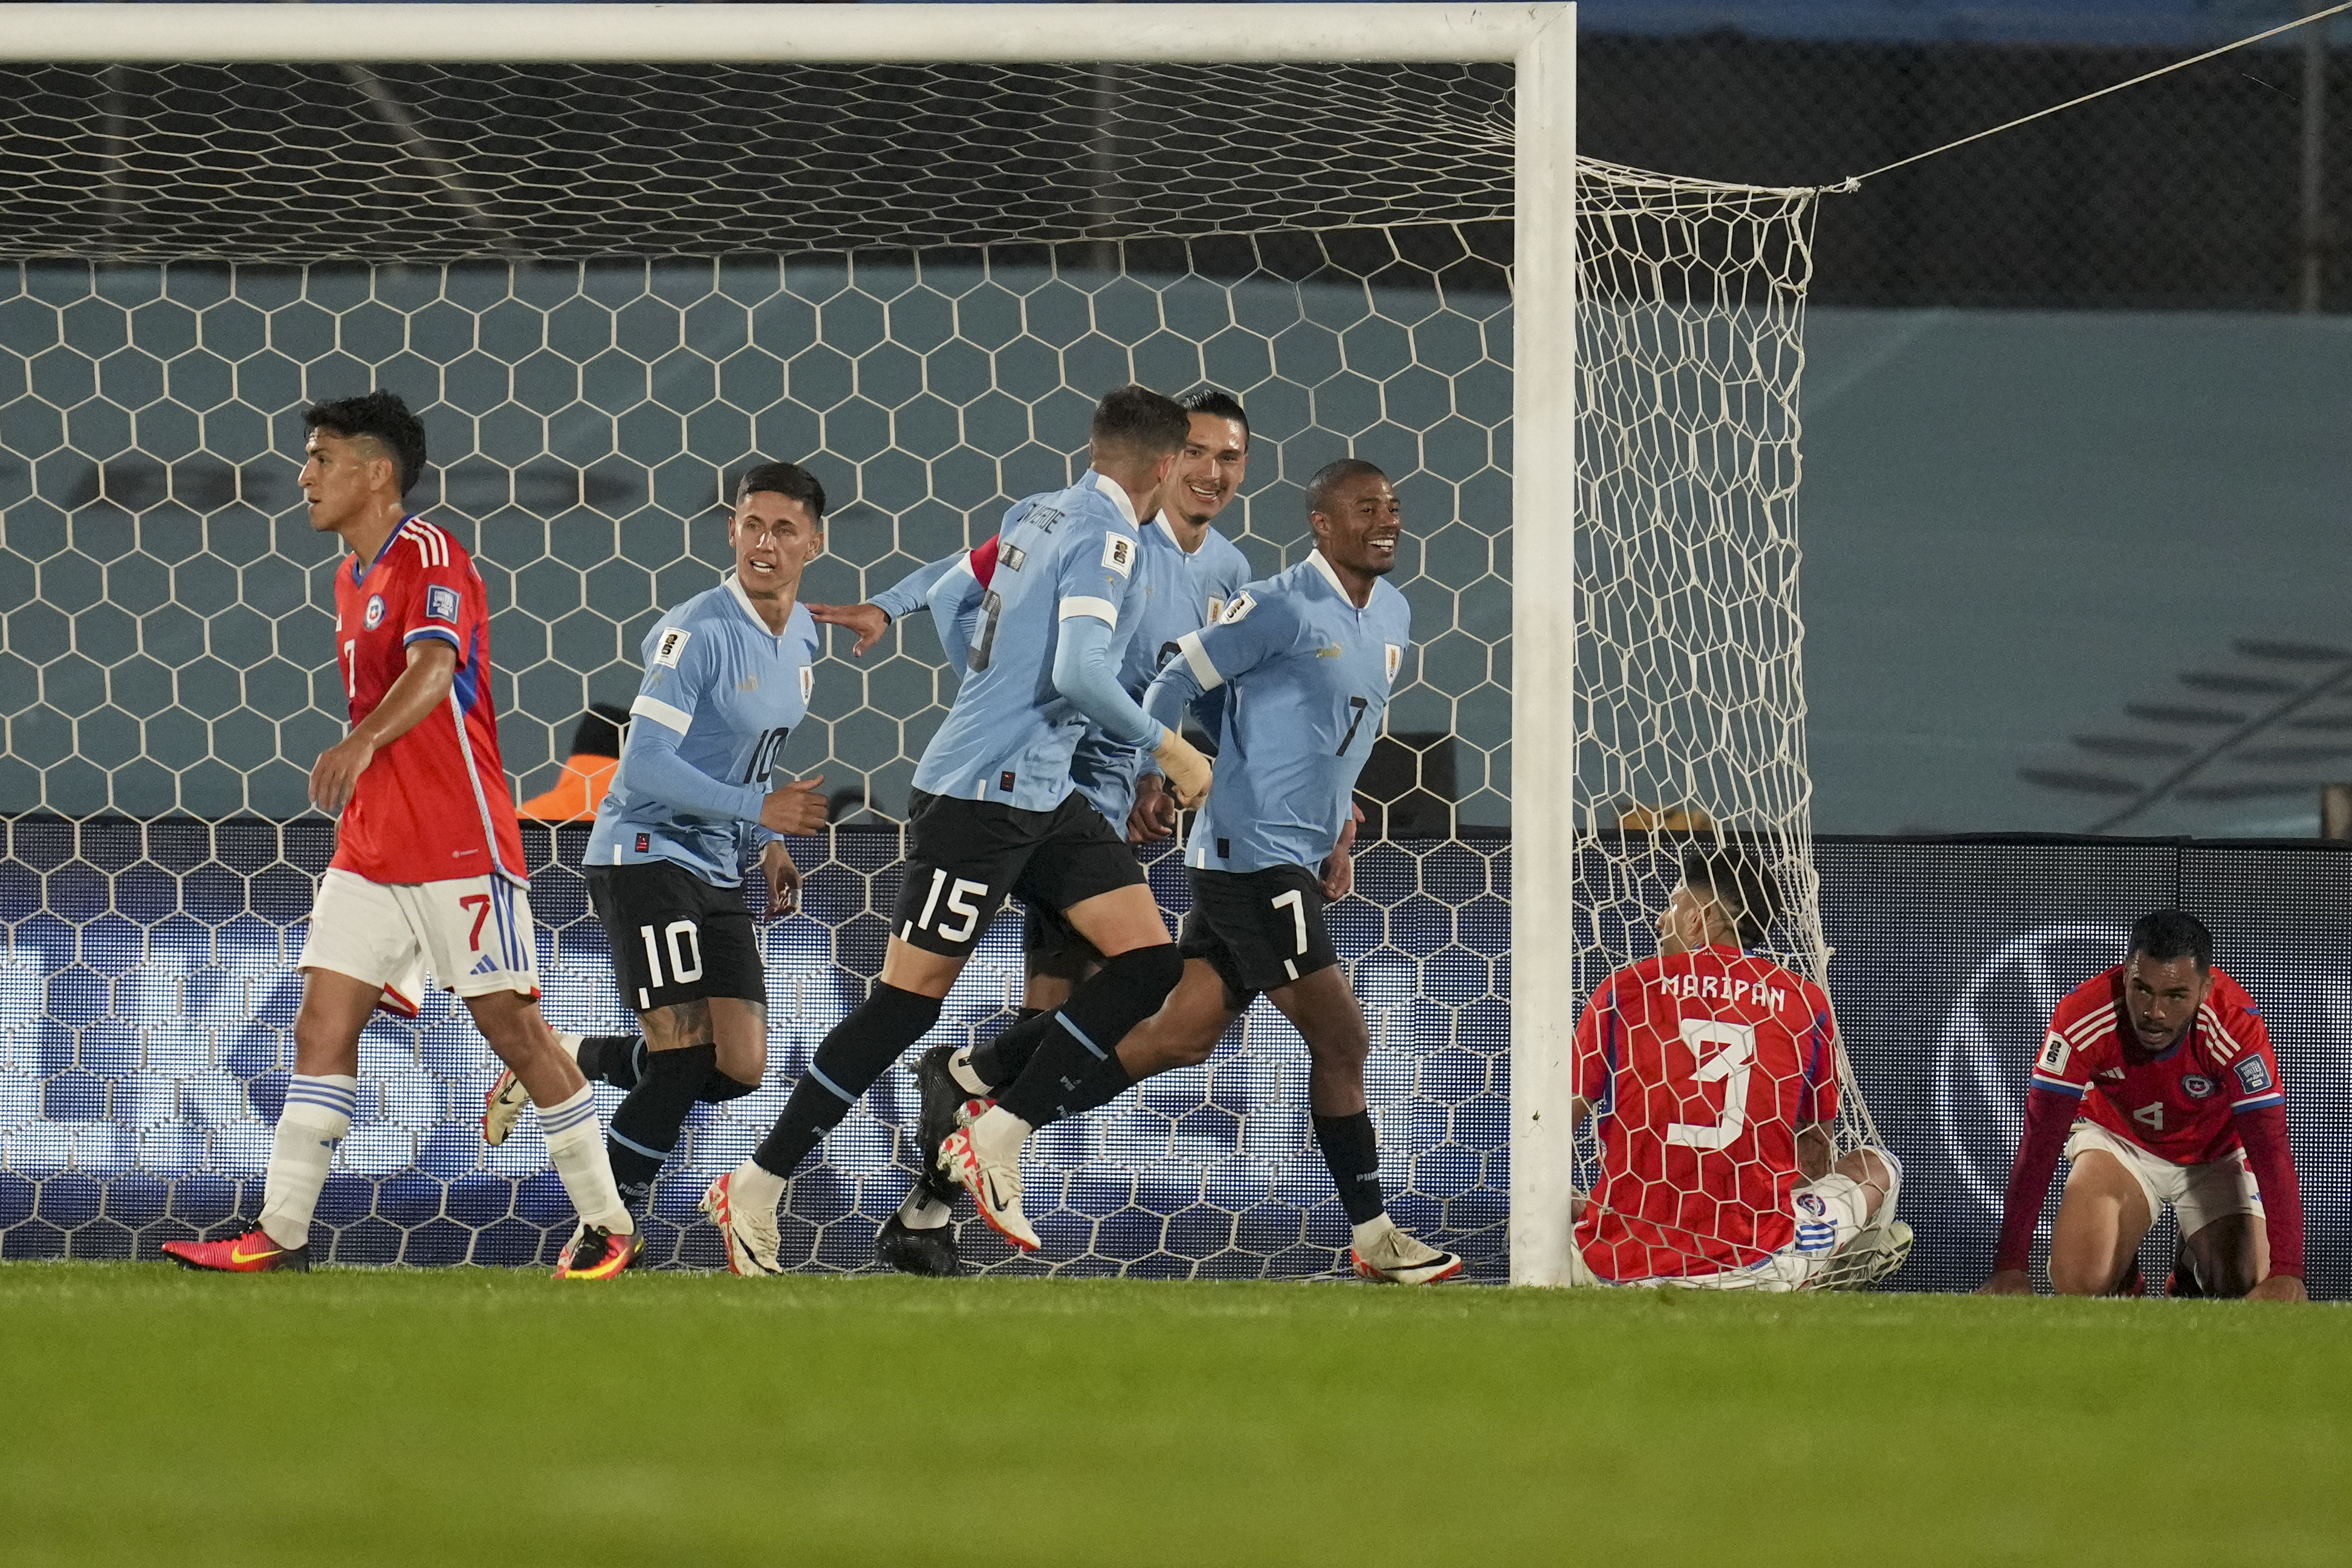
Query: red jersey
(435, 803)
(2180, 1106)
(1703, 1065)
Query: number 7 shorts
(966, 856)
(473, 933)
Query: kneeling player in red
(2157, 1080)
(428, 870)
(1714, 1072)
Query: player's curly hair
(1733, 876)
(789, 480)
(2167, 935)
(380, 417)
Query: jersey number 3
(1725, 1052)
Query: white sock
(302, 1151)
(1371, 1231)
(577, 1148)
(569, 1042)
(755, 1186)
(1000, 1134)
(920, 1211)
(960, 1070)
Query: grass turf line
(147, 1416)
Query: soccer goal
(613, 254)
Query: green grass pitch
(482, 1416)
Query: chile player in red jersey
(428, 868)
(2158, 1080)
(1714, 1073)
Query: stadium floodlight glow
(1678, 443)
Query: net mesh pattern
(932, 356)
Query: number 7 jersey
(1700, 1067)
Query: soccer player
(1305, 661)
(1714, 1073)
(728, 678)
(1189, 572)
(428, 867)
(994, 813)
(2158, 1081)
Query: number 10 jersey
(1701, 1067)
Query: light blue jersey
(720, 694)
(1182, 592)
(1062, 557)
(1307, 677)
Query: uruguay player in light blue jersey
(1307, 660)
(993, 813)
(727, 676)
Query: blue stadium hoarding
(146, 1003)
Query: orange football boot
(252, 1253)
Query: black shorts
(1259, 930)
(968, 856)
(675, 937)
(1052, 945)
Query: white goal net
(607, 290)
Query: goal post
(1648, 662)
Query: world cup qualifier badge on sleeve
(441, 604)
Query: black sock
(1353, 1153)
(616, 1060)
(1000, 1061)
(718, 1088)
(860, 1049)
(644, 1129)
(1085, 1032)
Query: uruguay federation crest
(374, 617)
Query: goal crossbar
(1537, 40)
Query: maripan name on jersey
(732, 691)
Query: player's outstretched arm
(422, 687)
(867, 622)
(2049, 1112)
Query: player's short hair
(789, 480)
(380, 416)
(1332, 476)
(2168, 934)
(1217, 404)
(1742, 884)
(1139, 422)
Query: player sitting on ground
(1189, 571)
(1310, 657)
(428, 868)
(1714, 1073)
(728, 678)
(2158, 1081)
(993, 813)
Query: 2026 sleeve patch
(2253, 1074)
(441, 604)
(673, 644)
(1238, 610)
(1118, 553)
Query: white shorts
(2198, 1195)
(1830, 1213)
(473, 933)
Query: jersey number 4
(1725, 1052)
